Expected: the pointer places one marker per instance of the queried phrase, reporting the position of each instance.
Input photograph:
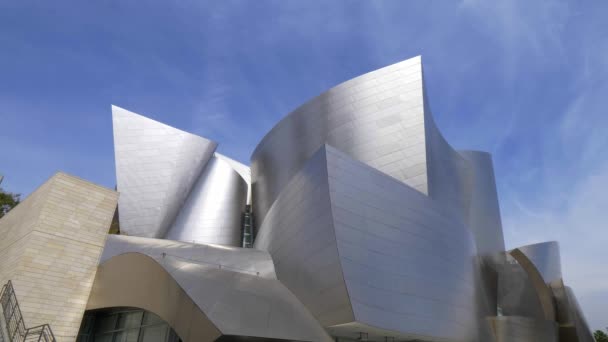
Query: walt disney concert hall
(355, 221)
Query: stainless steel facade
(524, 329)
(359, 247)
(173, 185)
(234, 288)
(546, 259)
(376, 118)
(212, 212)
(156, 165)
(370, 226)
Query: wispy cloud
(525, 80)
(555, 146)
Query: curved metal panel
(212, 213)
(483, 217)
(156, 166)
(516, 293)
(562, 306)
(299, 234)
(242, 170)
(465, 182)
(245, 260)
(523, 329)
(542, 289)
(220, 282)
(136, 280)
(407, 265)
(376, 118)
(583, 332)
(546, 258)
(449, 173)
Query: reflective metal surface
(156, 166)
(248, 261)
(543, 291)
(583, 332)
(546, 258)
(449, 173)
(299, 235)
(357, 246)
(376, 118)
(380, 228)
(483, 216)
(517, 295)
(243, 170)
(464, 181)
(523, 329)
(173, 186)
(212, 212)
(135, 280)
(234, 288)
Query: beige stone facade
(50, 246)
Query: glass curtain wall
(125, 325)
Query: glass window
(154, 333)
(130, 319)
(104, 337)
(105, 323)
(125, 325)
(130, 335)
(150, 318)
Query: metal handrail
(13, 320)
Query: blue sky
(524, 80)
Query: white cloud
(569, 199)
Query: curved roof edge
(545, 256)
(137, 280)
(344, 84)
(213, 279)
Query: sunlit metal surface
(174, 186)
(464, 182)
(156, 166)
(376, 118)
(449, 173)
(234, 287)
(546, 258)
(243, 170)
(249, 261)
(483, 216)
(373, 220)
(357, 246)
(212, 213)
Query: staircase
(248, 229)
(12, 327)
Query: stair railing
(12, 319)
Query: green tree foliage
(7, 201)
(600, 336)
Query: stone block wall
(50, 246)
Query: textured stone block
(50, 248)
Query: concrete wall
(50, 247)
